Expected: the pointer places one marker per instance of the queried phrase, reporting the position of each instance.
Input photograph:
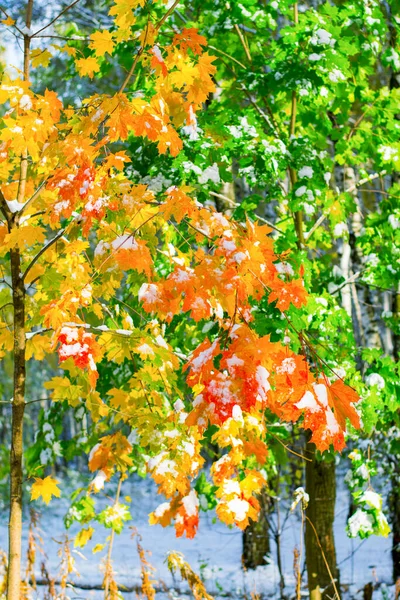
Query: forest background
(200, 256)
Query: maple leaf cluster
(82, 347)
(255, 372)
(85, 228)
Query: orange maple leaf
(341, 398)
(190, 38)
(133, 254)
(178, 205)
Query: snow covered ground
(215, 553)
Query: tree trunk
(395, 522)
(18, 407)
(256, 541)
(394, 503)
(395, 491)
(321, 487)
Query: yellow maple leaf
(37, 347)
(97, 310)
(96, 406)
(8, 21)
(87, 66)
(198, 388)
(122, 34)
(63, 389)
(23, 237)
(148, 35)
(68, 50)
(45, 488)
(35, 272)
(98, 548)
(123, 12)
(6, 339)
(40, 58)
(102, 42)
(83, 537)
(119, 398)
(185, 76)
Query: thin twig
(243, 42)
(317, 223)
(325, 560)
(268, 119)
(4, 208)
(353, 187)
(110, 547)
(132, 69)
(55, 18)
(44, 249)
(10, 17)
(199, 231)
(167, 14)
(289, 449)
(228, 56)
(349, 280)
(233, 203)
(34, 196)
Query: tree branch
(351, 279)
(4, 208)
(9, 17)
(298, 215)
(167, 14)
(55, 18)
(243, 42)
(34, 196)
(228, 56)
(236, 204)
(43, 250)
(317, 223)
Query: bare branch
(43, 250)
(228, 56)
(9, 17)
(63, 37)
(167, 14)
(351, 279)
(236, 204)
(33, 197)
(132, 69)
(4, 208)
(317, 223)
(55, 18)
(243, 42)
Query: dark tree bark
(395, 522)
(256, 539)
(18, 405)
(321, 487)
